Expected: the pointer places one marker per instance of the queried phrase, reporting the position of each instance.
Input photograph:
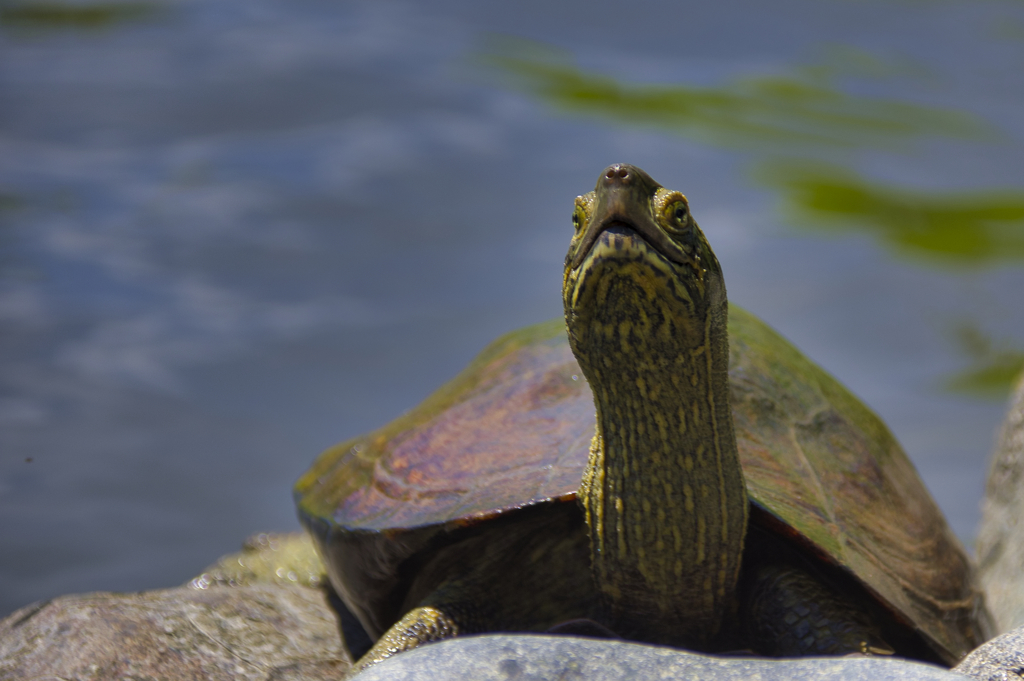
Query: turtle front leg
(461, 605)
(791, 612)
(525, 573)
(420, 625)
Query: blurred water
(234, 232)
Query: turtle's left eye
(679, 211)
(676, 214)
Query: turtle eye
(577, 218)
(675, 213)
(678, 211)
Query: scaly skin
(663, 492)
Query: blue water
(235, 232)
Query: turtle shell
(513, 430)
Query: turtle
(660, 465)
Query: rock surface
(284, 559)
(1001, 659)
(1001, 536)
(541, 658)
(267, 625)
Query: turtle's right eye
(578, 218)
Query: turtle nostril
(617, 174)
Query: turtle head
(628, 198)
(632, 226)
(663, 492)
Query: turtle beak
(624, 195)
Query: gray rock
(1001, 536)
(546, 658)
(254, 632)
(1001, 659)
(266, 625)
